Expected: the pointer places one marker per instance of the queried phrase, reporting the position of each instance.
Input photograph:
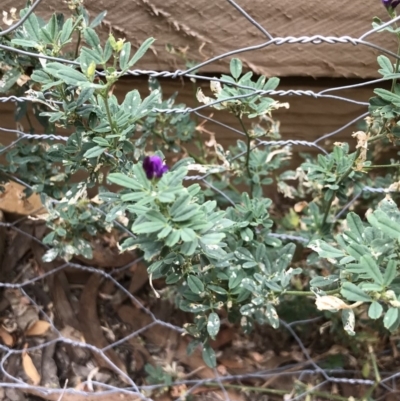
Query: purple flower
(154, 167)
(390, 4)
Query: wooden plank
(306, 119)
(207, 29)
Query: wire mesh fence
(307, 376)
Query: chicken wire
(133, 391)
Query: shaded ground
(93, 330)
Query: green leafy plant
(366, 257)
(228, 251)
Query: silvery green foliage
(217, 259)
(212, 242)
(365, 257)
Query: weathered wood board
(306, 119)
(211, 28)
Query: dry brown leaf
(6, 20)
(13, 200)
(330, 302)
(29, 368)
(7, 338)
(38, 328)
(221, 369)
(202, 98)
(179, 391)
(299, 206)
(256, 356)
(23, 79)
(25, 314)
(232, 363)
(362, 144)
(72, 334)
(66, 396)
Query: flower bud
(154, 167)
(112, 41)
(119, 45)
(91, 69)
(390, 4)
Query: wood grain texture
(306, 119)
(216, 28)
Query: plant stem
(375, 138)
(247, 152)
(194, 92)
(247, 388)
(78, 43)
(396, 69)
(322, 394)
(343, 177)
(382, 166)
(310, 293)
(328, 208)
(31, 129)
(370, 391)
(105, 97)
(381, 134)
